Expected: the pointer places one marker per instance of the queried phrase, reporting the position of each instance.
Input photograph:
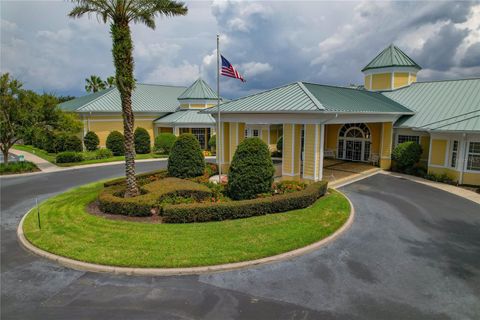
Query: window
(473, 158)
(404, 138)
(252, 133)
(255, 133)
(199, 133)
(453, 159)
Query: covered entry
(354, 142)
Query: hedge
(68, 156)
(142, 178)
(203, 212)
(91, 141)
(142, 141)
(73, 143)
(186, 158)
(116, 143)
(111, 199)
(406, 155)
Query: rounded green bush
(60, 141)
(142, 141)
(91, 141)
(116, 143)
(49, 144)
(186, 158)
(212, 143)
(280, 144)
(406, 155)
(164, 142)
(73, 143)
(103, 153)
(251, 171)
(69, 156)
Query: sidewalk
(42, 164)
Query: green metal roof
(450, 105)
(186, 117)
(199, 90)
(391, 56)
(308, 97)
(147, 98)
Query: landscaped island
(247, 218)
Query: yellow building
(157, 108)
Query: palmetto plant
(94, 83)
(120, 13)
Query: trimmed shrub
(164, 142)
(212, 143)
(406, 155)
(73, 143)
(203, 212)
(69, 156)
(103, 153)
(111, 199)
(116, 143)
(186, 158)
(280, 144)
(91, 141)
(142, 141)
(251, 171)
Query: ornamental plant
(142, 141)
(115, 142)
(212, 143)
(91, 141)
(186, 158)
(251, 171)
(406, 155)
(73, 143)
(164, 142)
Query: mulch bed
(94, 209)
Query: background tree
(94, 84)
(110, 82)
(120, 13)
(15, 115)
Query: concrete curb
(91, 267)
(349, 180)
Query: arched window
(354, 142)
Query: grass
(17, 167)
(68, 230)
(88, 155)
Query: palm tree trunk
(123, 60)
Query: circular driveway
(413, 252)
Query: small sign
(21, 158)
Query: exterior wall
(451, 173)
(381, 81)
(425, 143)
(438, 152)
(400, 79)
(313, 152)
(386, 145)
(366, 82)
(164, 130)
(103, 125)
(471, 178)
(291, 150)
(424, 139)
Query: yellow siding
(471, 178)
(265, 135)
(386, 148)
(164, 130)
(298, 148)
(233, 139)
(226, 142)
(331, 136)
(241, 132)
(439, 148)
(381, 81)
(451, 173)
(287, 148)
(367, 82)
(413, 78)
(309, 153)
(102, 126)
(425, 143)
(376, 136)
(400, 79)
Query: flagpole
(219, 126)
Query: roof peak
(391, 56)
(198, 90)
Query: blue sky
(270, 42)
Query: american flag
(229, 71)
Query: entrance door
(354, 142)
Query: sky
(271, 43)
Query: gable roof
(186, 117)
(308, 97)
(148, 98)
(391, 56)
(449, 105)
(199, 90)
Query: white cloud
(251, 69)
(183, 74)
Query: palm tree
(110, 82)
(94, 83)
(119, 13)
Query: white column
(322, 143)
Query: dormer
(198, 96)
(389, 70)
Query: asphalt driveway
(413, 252)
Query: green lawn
(51, 156)
(17, 167)
(68, 230)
